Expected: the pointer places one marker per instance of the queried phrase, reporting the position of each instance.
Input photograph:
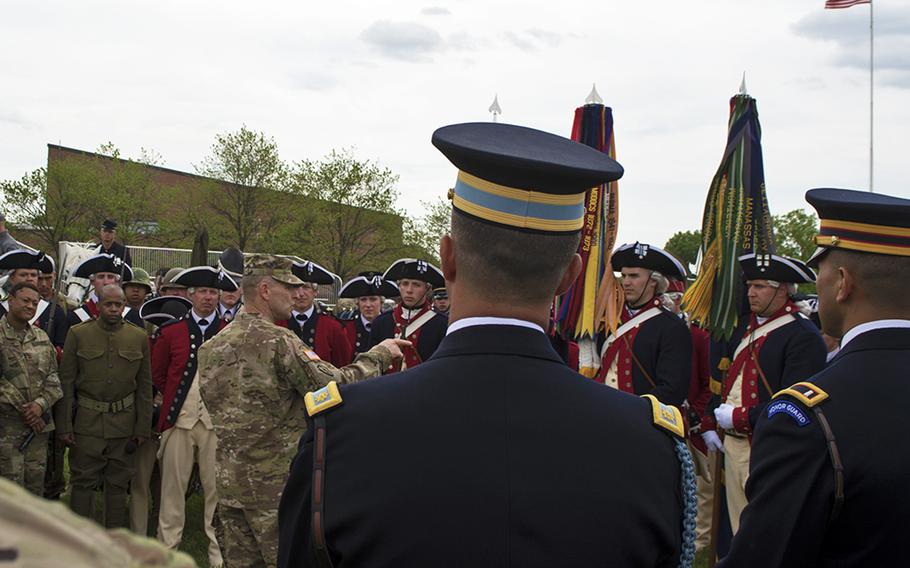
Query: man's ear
(447, 258)
(570, 275)
(845, 284)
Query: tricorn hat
(103, 262)
(21, 258)
(650, 257)
(415, 269)
(309, 271)
(205, 277)
(368, 284)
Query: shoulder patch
(323, 399)
(666, 416)
(806, 393)
(311, 355)
(790, 409)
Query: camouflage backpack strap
(669, 419)
(811, 396)
(317, 403)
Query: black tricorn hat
(109, 225)
(415, 269)
(231, 261)
(21, 258)
(641, 255)
(774, 267)
(441, 294)
(205, 277)
(103, 263)
(309, 271)
(163, 309)
(368, 284)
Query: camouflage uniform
(28, 373)
(36, 532)
(253, 376)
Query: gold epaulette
(716, 386)
(666, 416)
(724, 364)
(322, 399)
(806, 393)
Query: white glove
(712, 440)
(724, 416)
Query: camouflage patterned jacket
(253, 376)
(28, 371)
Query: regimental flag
(837, 4)
(736, 221)
(593, 303)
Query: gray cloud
(849, 31)
(312, 80)
(435, 11)
(14, 118)
(407, 41)
(534, 39)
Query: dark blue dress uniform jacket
(491, 454)
(791, 484)
(431, 333)
(789, 354)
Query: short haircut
(251, 282)
(881, 278)
(515, 266)
(24, 286)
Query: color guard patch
(791, 410)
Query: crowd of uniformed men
(207, 378)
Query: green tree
(684, 246)
(349, 207)
(423, 234)
(250, 163)
(55, 204)
(125, 191)
(795, 233)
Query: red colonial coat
(700, 387)
(324, 335)
(174, 361)
(745, 364)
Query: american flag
(836, 4)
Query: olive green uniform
(28, 373)
(105, 372)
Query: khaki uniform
(253, 376)
(42, 533)
(28, 373)
(105, 372)
(191, 439)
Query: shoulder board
(85, 323)
(666, 416)
(806, 393)
(323, 399)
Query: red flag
(836, 4)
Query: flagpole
(871, 96)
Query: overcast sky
(381, 76)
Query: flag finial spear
(742, 86)
(495, 109)
(593, 97)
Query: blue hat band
(518, 207)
